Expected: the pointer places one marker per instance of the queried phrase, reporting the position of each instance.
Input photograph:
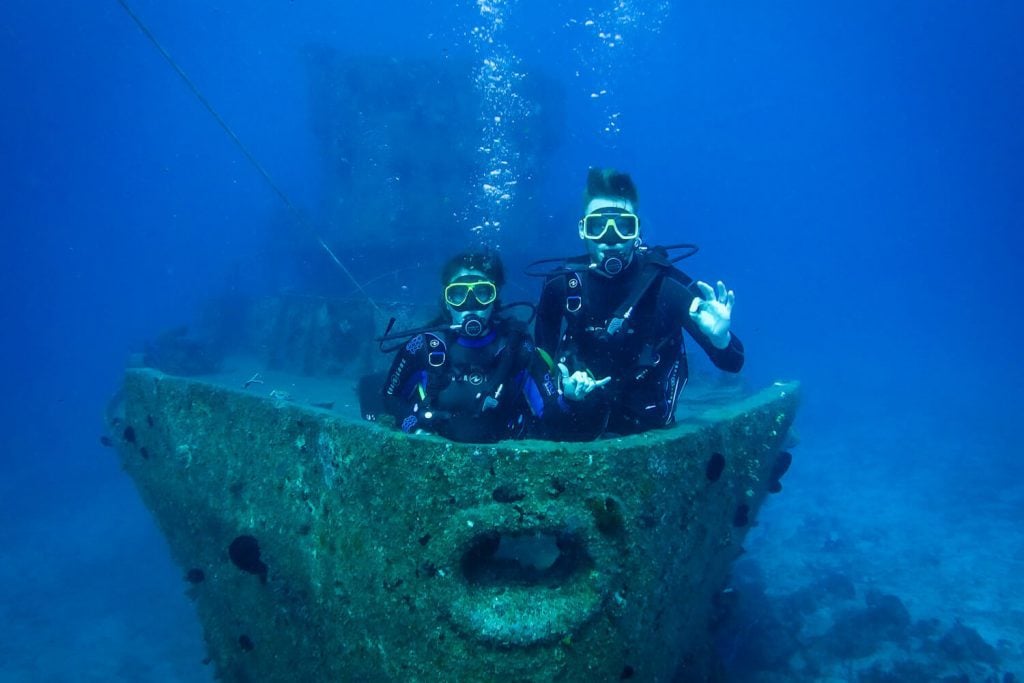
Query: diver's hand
(577, 385)
(713, 313)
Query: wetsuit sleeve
(548, 328)
(540, 383)
(682, 290)
(550, 415)
(406, 382)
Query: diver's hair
(607, 182)
(487, 262)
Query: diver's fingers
(730, 299)
(695, 306)
(602, 382)
(706, 291)
(564, 370)
(722, 292)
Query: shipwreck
(319, 546)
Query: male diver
(474, 375)
(618, 314)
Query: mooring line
(241, 146)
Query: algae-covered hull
(322, 548)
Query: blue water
(855, 173)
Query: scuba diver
(474, 375)
(618, 313)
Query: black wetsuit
(645, 358)
(471, 389)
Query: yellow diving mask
(595, 226)
(457, 293)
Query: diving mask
(608, 223)
(457, 294)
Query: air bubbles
(497, 80)
(606, 43)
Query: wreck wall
(326, 549)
